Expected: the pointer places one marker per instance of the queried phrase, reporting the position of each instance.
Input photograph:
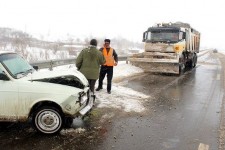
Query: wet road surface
(183, 113)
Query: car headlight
(82, 98)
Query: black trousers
(103, 71)
(92, 84)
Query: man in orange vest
(107, 68)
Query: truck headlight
(176, 48)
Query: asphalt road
(183, 113)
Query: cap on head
(107, 40)
(93, 42)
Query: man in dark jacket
(88, 62)
(107, 68)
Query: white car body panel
(18, 96)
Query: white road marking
(203, 147)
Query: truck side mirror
(144, 36)
(3, 76)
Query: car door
(8, 98)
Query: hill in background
(34, 49)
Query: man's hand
(115, 64)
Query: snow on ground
(124, 70)
(206, 58)
(208, 62)
(121, 97)
(222, 52)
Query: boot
(98, 89)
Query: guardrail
(60, 62)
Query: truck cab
(169, 48)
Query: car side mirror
(35, 67)
(3, 76)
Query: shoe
(109, 92)
(98, 89)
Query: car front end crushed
(47, 98)
(78, 105)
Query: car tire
(48, 120)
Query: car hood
(49, 75)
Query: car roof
(6, 52)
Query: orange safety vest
(108, 57)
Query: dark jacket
(88, 62)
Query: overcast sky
(104, 18)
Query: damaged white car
(49, 99)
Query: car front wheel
(48, 120)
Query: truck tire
(181, 68)
(195, 60)
(192, 62)
(48, 120)
(181, 65)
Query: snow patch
(72, 131)
(121, 98)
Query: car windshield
(163, 36)
(16, 65)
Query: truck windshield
(16, 65)
(163, 36)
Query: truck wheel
(181, 68)
(195, 60)
(181, 65)
(47, 120)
